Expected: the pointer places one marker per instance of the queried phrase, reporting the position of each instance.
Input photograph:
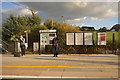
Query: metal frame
(84, 38)
(75, 38)
(66, 38)
(45, 31)
(105, 38)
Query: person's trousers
(22, 49)
(55, 51)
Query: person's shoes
(53, 56)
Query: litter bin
(17, 51)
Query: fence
(112, 45)
(10, 47)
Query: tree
(15, 26)
(49, 23)
(62, 28)
(85, 28)
(34, 34)
(36, 20)
(12, 27)
(103, 29)
(116, 27)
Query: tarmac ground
(63, 66)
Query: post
(26, 34)
(52, 22)
(117, 43)
(26, 37)
(93, 47)
(62, 18)
(39, 43)
(84, 42)
(113, 43)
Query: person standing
(22, 45)
(55, 46)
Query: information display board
(46, 37)
(101, 38)
(78, 38)
(69, 38)
(88, 39)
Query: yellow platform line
(54, 67)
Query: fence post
(113, 43)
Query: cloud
(73, 12)
(61, 0)
(81, 4)
(110, 13)
(19, 11)
(96, 19)
(77, 20)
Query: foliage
(49, 24)
(62, 28)
(116, 27)
(103, 29)
(85, 28)
(34, 34)
(15, 26)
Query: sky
(93, 14)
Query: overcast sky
(96, 14)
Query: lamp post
(26, 33)
(62, 17)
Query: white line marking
(14, 76)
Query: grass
(109, 36)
